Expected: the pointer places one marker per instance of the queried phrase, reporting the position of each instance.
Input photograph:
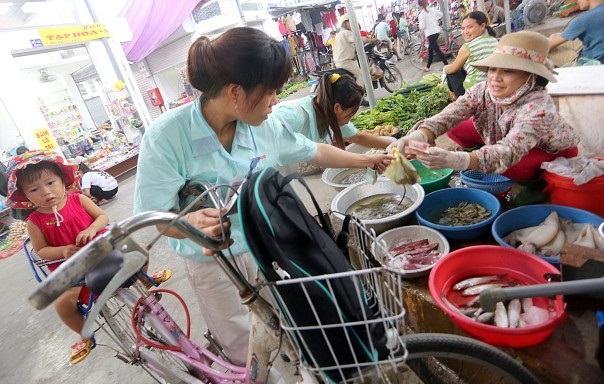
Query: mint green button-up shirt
(180, 146)
(300, 117)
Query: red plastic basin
(482, 260)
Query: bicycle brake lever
(131, 265)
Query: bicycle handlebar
(75, 268)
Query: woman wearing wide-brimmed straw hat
(515, 121)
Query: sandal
(159, 277)
(80, 350)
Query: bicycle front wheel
(415, 55)
(445, 358)
(393, 79)
(118, 325)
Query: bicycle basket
(340, 358)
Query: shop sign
(45, 139)
(72, 34)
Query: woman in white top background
(97, 185)
(429, 25)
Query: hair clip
(334, 77)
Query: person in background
(587, 27)
(381, 32)
(429, 25)
(344, 52)
(332, 38)
(515, 120)
(480, 43)
(393, 23)
(98, 186)
(463, 11)
(403, 33)
(495, 12)
(325, 117)
(222, 137)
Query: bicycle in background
(450, 41)
(150, 337)
(410, 43)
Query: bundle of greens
(290, 88)
(404, 110)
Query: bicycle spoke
(415, 55)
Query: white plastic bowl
(410, 233)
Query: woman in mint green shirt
(325, 117)
(480, 43)
(220, 137)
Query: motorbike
(383, 71)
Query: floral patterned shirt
(531, 122)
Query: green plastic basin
(432, 179)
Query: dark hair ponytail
(481, 18)
(244, 56)
(84, 168)
(335, 89)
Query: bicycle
(149, 336)
(410, 44)
(450, 41)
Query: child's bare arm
(45, 251)
(100, 221)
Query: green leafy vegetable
(405, 109)
(290, 88)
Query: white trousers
(221, 308)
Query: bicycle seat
(97, 279)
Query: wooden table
(123, 167)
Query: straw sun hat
(525, 51)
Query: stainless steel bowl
(353, 193)
(357, 148)
(394, 236)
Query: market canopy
(152, 22)
(278, 11)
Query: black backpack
(278, 229)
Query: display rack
(118, 162)
(62, 115)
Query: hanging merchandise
(119, 86)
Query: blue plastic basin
(434, 204)
(532, 215)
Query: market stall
(567, 356)
(115, 163)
